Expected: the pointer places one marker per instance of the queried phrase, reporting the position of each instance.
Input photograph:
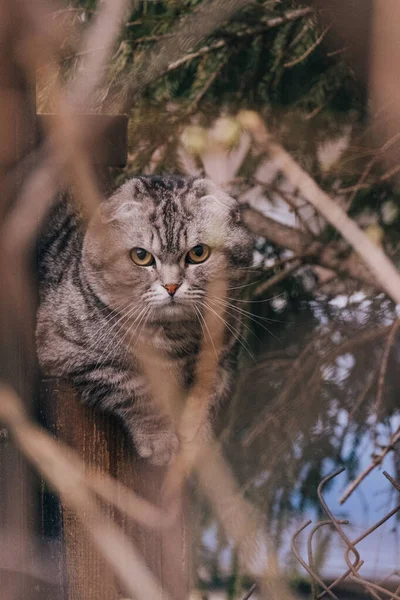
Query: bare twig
(275, 279)
(360, 184)
(383, 369)
(309, 50)
(189, 32)
(250, 592)
(362, 396)
(305, 368)
(265, 24)
(376, 461)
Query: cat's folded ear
(128, 198)
(215, 194)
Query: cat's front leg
(158, 445)
(152, 431)
(154, 436)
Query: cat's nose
(171, 288)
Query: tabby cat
(139, 270)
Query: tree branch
(171, 52)
(304, 245)
(291, 15)
(281, 235)
(189, 32)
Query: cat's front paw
(158, 448)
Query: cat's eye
(198, 254)
(141, 257)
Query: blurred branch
(65, 147)
(54, 455)
(250, 592)
(96, 49)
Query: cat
(139, 269)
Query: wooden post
(103, 445)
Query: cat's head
(158, 242)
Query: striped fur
(97, 307)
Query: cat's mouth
(173, 309)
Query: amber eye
(141, 257)
(198, 254)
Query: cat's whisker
(120, 343)
(244, 311)
(257, 301)
(135, 325)
(230, 302)
(238, 316)
(245, 285)
(123, 318)
(201, 318)
(116, 313)
(139, 328)
(104, 357)
(197, 313)
(103, 331)
(235, 332)
(246, 314)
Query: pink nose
(171, 288)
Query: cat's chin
(173, 311)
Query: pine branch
(292, 15)
(171, 52)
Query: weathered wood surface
(104, 446)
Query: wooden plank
(104, 446)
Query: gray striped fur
(96, 305)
